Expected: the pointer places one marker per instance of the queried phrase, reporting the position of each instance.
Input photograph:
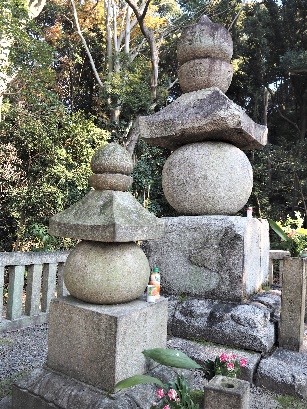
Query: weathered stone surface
(205, 39)
(201, 353)
(284, 372)
(240, 326)
(112, 158)
(107, 216)
(216, 257)
(223, 392)
(207, 178)
(205, 73)
(106, 273)
(271, 300)
(201, 116)
(111, 181)
(293, 298)
(100, 344)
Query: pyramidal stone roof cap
(107, 216)
(198, 116)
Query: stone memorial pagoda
(98, 332)
(207, 252)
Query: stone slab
(284, 372)
(224, 393)
(243, 326)
(217, 257)
(293, 299)
(198, 116)
(107, 216)
(201, 353)
(101, 344)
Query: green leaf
(137, 380)
(279, 231)
(171, 357)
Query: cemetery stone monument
(207, 252)
(98, 332)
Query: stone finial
(205, 39)
(204, 53)
(112, 166)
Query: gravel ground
(26, 349)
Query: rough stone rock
(205, 73)
(106, 273)
(204, 115)
(112, 158)
(107, 216)
(201, 353)
(240, 326)
(207, 178)
(111, 181)
(216, 257)
(284, 372)
(205, 39)
(271, 300)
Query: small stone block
(103, 344)
(226, 393)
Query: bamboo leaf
(171, 357)
(137, 380)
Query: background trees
(60, 105)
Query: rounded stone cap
(111, 181)
(205, 39)
(112, 158)
(207, 178)
(205, 73)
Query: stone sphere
(112, 158)
(205, 73)
(207, 178)
(106, 273)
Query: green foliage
(137, 380)
(171, 357)
(290, 402)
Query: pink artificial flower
(166, 407)
(224, 357)
(172, 394)
(230, 366)
(160, 393)
(233, 356)
(177, 400)
(243, 362)
(153, 404)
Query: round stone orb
(207, 178)
(112, 158)
(205, 73)
(106, 273)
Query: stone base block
(224, 393)
(216, 257)
(102, 344)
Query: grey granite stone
(201, 353)
(224, 393)
(110, 181)
(284, 372)
(293, 298)
(112, 158)
(205, 73)
(271, 300)
(205, 39)
(106, 273)
(107, 216)
(207, 178)
(201, 116)
(101, 345)
(237, 325)
(216, 257)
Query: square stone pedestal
(216, 257)
(102, 344)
